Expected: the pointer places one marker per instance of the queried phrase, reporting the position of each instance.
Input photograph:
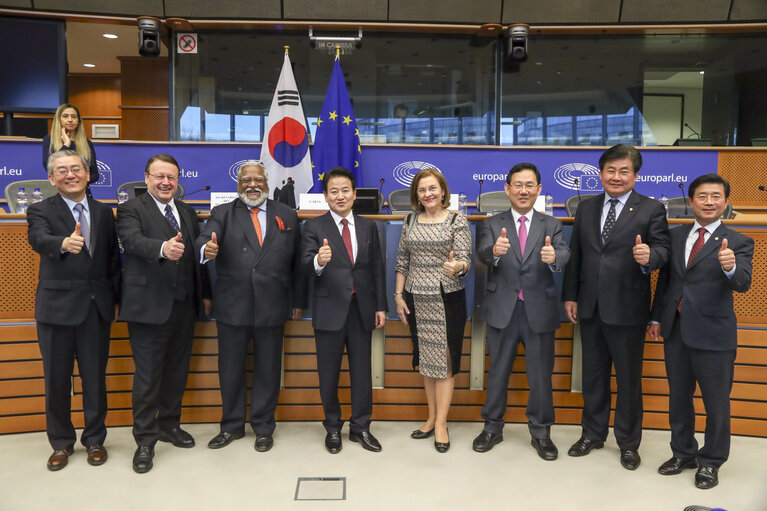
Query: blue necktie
(609, 221)
(85, 228)
(170, 218)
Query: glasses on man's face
(526, 186)
(63, 172)
(252, 180)
(162, 177)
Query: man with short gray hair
(255, 243)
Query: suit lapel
(511, 233)
(627, 214)
(334, 238)
(242, 214)
(534, 233)
(714, 243)
(159, 218)
(95, 223)
(271, 223)
(678, 246)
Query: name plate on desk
(313, 201)
(218, 198)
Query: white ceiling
(87, 45)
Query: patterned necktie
(696, 246)
(257, 224)
(171, 219)
(609, 221)
(522, 235)
(347, 237)
(85, 228)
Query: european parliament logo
(234, 167)
(105, 174)
(406, 171)
(578, 176)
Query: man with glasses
(164, 290)
(255, 243)
(522, 249)
(75, 303)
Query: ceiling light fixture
(89, 65)
(110, 36)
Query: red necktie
(347, 237)
(522, 235)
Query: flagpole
(287, 50)
(338, 52)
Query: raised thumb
(178, 237)
(213, 238)
(548, 241)
(324, 242)
(724, 244)
(639, 239)
(503, 232)
(77, 229)
(452, 256)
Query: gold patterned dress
(437, 301)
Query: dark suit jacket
(515, 271)
(255, 285)
(68, 281)
(333, 288)
(707, 319)
(149, 280)
(608, 278)
(92, 167)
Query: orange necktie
(257, 224)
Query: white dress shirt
(352, 231)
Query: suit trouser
(161, 355)
(330, 352)
(233, 343)
(539, 364)
(60, 345)
(713, 371)
(605, 345)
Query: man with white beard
(255, 244)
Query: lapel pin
(716, 239)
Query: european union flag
(337, 140)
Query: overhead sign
(186, 43)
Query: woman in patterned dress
(434, 254)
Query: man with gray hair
(255, 243)
(74, 304)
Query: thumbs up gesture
(451, 266)
(173, 249)
(548, 255)
(726, 256)
(75, 241)
(641, 252)
(211, 247)
(502, 244)
(325, 254)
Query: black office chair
(132, 186)
(11, 189)
(399, 202)
(493, 202)
(571, 204)
(679, 207)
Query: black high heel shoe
(420, 435)
(442, 447)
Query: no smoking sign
(186, 43)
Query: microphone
(684, 199)
(203, 189)
(380, 196)
(479, 199)
(762, 188)
(694, 132)
(576, 181)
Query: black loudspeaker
(367, 202)
(149, 37)
(516, 43)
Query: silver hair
(252, 163)
(62, 154)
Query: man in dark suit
(164, 291)
(522, 248)
(694, 307)
(619, 237)
(342, 252)
(75, 303)
(255, 243)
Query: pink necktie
(522, 235)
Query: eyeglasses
(64, 172)
(252, 180)
(526, 186)
(163, 177)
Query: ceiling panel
(133, 8)
(676, 11)
(749, 10)
(219, 9)
(446, 11)
(559, 11)
(363, 10)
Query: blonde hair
(79, 138)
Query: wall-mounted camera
(149, 36)
(516, 43)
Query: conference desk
(398, 393)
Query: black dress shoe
(333, 442)
(420, 435)
(630, 459)
(707, 477)
(442, 447)
(177, 437)
(676, 465)
(545, 448)
(486, 441)
(264, 442)
(223, 439)
(583, 446)
(366, 438)
(142, 459)
(59, 459)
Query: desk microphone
(694, 132)
(479, 199)
(684, 199)
(380, 196)
(203, 189)
(577, 189)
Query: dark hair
(519, 167)
(709, 178)
(442, 183)
(618, 152)
(162, 157)
(338, 172)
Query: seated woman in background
(67, 132)
(434, 254)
